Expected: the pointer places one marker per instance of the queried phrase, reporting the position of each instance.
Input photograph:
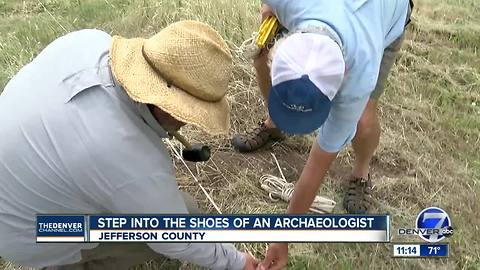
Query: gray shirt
(72, 141)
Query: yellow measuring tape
(267, 31)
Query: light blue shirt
(72, 141)
(365, 28)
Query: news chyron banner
(213, 228)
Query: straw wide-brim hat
(184, 70)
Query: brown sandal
(358, 198)
(256, 138)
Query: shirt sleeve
(159, 194)
(341, 124)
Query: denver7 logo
(435, 219)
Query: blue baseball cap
(307, 73)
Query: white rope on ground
(279, 188)
(201, 187)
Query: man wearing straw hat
(81, 128)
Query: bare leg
(266, 132)
(264, 81)
(366, 140)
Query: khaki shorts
(389, 57)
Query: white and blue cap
(307, 72)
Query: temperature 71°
(433, 250)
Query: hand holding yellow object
(253, 46)
(267, 31)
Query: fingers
(261, 267)
(251, 262)
(276, 257)
(264, 265)
(268, 261)
(275, 265)
(265, 12)
(278, 265)
(270, 257)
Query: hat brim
(294, 122)
(144, 85)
